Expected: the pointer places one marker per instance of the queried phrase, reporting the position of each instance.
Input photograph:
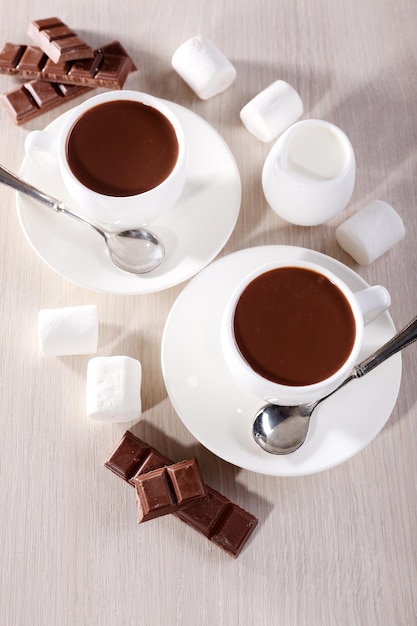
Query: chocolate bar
(35, 97)
(224, 523)
(58, 41)
(169, 489)
(109, 67)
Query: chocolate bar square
(169, 489)
(58, 41)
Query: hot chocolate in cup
(121, 156)
(292, 330)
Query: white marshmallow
(114, 389)
(203, 67)
(272, 111)
(370, 232)
(69, 330)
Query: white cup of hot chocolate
(121, 156)
(292, 331)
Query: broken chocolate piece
(224, 523)
(36, 97)
(125, 459)
(109, 67)
(169, 489)
(58, 41)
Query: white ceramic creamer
(309, 174)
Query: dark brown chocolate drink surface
(122, 148)
(294, 326)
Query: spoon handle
(11, 180)
(401, 340)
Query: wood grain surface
(337, 548)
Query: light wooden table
(336, 548)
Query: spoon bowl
(137, 251)
(129, 246)
(281, 429)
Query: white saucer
(219, 413)
(193, 232)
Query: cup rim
(277, 389)
(111, 96)
(286, 136)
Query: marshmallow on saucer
(272, 111)
(114, 389)
(370, 232)
(69, 330)
(203, 67)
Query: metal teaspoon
(283, 429)
(136, 250)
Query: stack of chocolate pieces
(164, 487)
(59, 67)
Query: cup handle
(373, 301)
(41, 146)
